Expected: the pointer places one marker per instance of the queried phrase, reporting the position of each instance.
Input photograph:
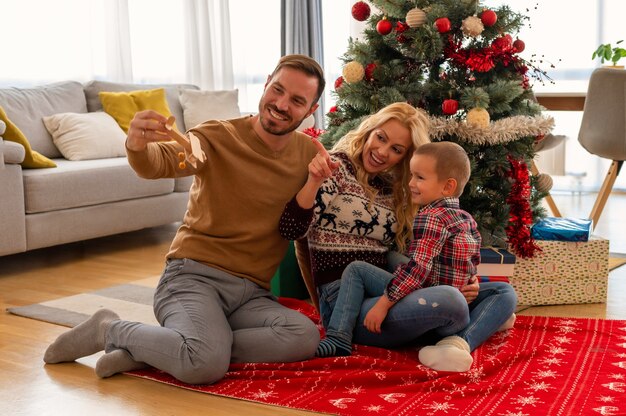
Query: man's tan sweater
(237, 196)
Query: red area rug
(544, 366)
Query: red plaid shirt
(445, 250)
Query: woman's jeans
(439, 310)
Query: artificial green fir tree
(458, 61)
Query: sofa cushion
(200, 106)
(123, 105)
(32, 159)
(172, 91)
(84, 136)
(26, 107)
(87, 182)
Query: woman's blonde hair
(416, 121)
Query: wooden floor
(28, 387)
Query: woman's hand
(470, 290)
(320, 168)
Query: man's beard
(269, 126)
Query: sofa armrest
(11, 153)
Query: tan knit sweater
(237, 196)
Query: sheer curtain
(302, 33)
(208, 44)
(119, 63)
(139, 41)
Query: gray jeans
(209, 319)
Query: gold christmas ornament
(472, 26)
(478, 117)
(415, 17)
(353, 72)
(544, 182)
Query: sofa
(86, 195)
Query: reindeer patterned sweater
(343, 225)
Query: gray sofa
(79, 199)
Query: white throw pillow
(82, 136)
(200, 106)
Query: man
(212, 301)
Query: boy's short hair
(305, 64)
(451, 162)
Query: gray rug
(133, 302)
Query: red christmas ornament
(333, 109)
(488, 17)
(401, 27)
(384, 27)
(338, 83)
(443, 25)
(502, 44)
(519, 45)
(402, 39)
(360, 11)
(450, 106)
(369, 71)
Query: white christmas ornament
(415, 17)
(478, 117)
(472, 26)
(353, 72)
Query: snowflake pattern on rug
(543, 366)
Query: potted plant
(607, 53)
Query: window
(255, 36)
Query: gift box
(562, 229)
(495, 262)
(563, 273)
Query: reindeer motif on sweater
(344, 224)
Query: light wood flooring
(28, 387)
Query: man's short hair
(307, 65)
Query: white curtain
(208, 44)
(119, 64)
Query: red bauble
(502, 44)
(384, 27)
(333, 109)
(402, 39)
(519, 45)
(369, 71)
(338, 83)
(401, 27)
(360, 11)
(488, 17)
(450, 106)
(443, 25)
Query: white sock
(508, 324)
(450, 354)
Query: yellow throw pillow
(122, 106)
(32, 159)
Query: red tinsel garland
(520, 214)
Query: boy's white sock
(450, 354)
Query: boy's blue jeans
(343, 307)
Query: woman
(357, 206)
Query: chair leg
(551, 204)
(605, 191)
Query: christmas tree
(458, 61)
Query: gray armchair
(603, 128)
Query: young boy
(445, 251)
